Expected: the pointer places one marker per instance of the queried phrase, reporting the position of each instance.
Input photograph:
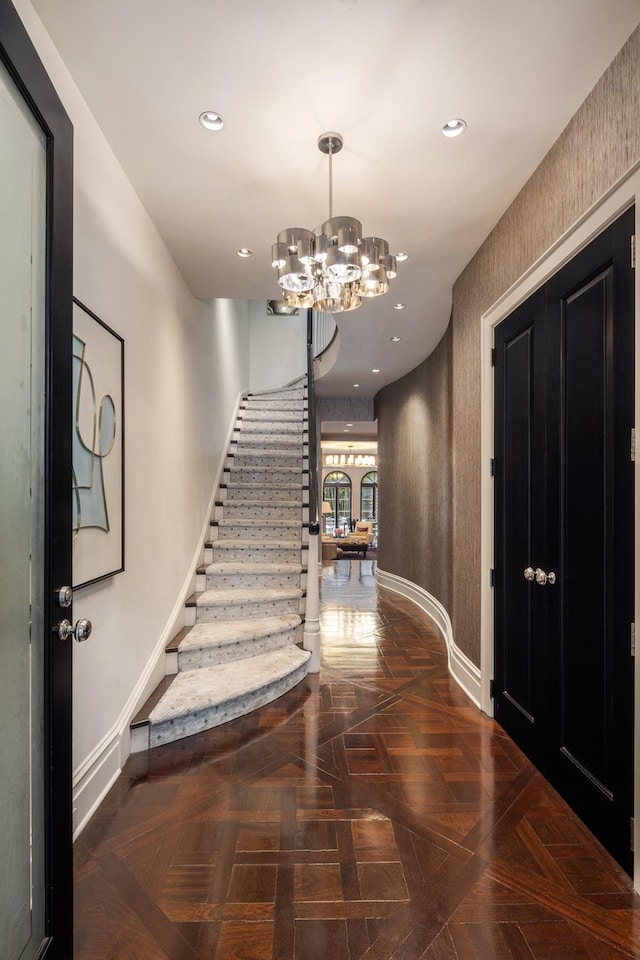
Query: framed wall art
(98, 448)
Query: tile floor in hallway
(372, 812)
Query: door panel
(518, 520)
(585, 540)
(571, 638)
(22, 303)
(590, 389)
(35, 504)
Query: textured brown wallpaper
(599, 145)
(414, 456)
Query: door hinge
(633, 444)
(633, 639)
(632, 834)
(633, 252)
(492, 467)
(492, 577)
(492, 688)
(494, 356)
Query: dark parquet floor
(371, 813)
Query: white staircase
(239, 647)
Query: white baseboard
(94, 777)
(461, 668)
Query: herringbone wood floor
(372, 813)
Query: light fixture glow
(356, 384)
(349, 424)
(402, 257)
(345, 431)
(375, 370)
(333, 266)
(399, 306)
(394, 339)
(244, 253)
(211, 120)
(453, 128)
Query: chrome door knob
(65, 596)
(529, 573)
(542, 577)
(81, 631)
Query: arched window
(337, 492)
(369, 496)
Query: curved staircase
(239, 647)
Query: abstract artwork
(98, 448)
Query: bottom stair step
(200, 699)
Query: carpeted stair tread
(240, 595)
(282, 504)
(253, 567)
(233, 544)
(222, 633)
(196, 694)
(257, 522)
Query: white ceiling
(386, 75)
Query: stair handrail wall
(312, 612)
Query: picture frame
(98, 449)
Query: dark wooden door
(564, 389)
(36, 892)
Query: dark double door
(564, 532)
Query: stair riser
(276, 442)
(256, 476)
(240, 650)
(261, 532)
(242, 611)
(274, 406)
(267, 581)
(227, 552)
(270, 430)
(269, 496)
(266, 511)
(266, 462)
(280, 416)
(295, 391)
(221, 713)
(270, 425)
(278, 396)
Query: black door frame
(619, 198)
(22, 62)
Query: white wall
(278, 347)
(186, 361)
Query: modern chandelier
(333, 267)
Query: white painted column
(312, 616)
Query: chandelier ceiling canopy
(332, 268)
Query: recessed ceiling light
(401, 257)
(244, 253)
(211, 120)
(356, 384)
(346, 431)
(349, 424)
(375, 370)
(399, 306)
(394, 339)
(453, 128)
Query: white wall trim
(621, 196)
(463, 671)
(94, 777)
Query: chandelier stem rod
(330, 182)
